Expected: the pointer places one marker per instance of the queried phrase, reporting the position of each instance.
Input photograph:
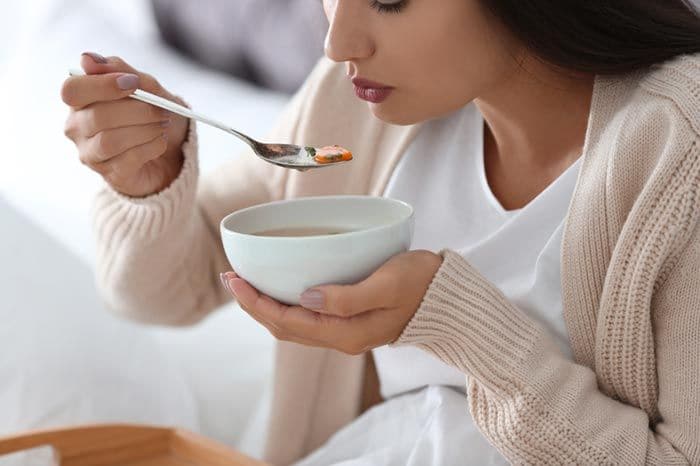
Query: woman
(551, 150)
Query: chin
(404, 113)
(394, 116)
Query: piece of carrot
(329, 154)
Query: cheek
(440, 69)
(454, 76)
(434, 82)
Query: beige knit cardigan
(630, 280)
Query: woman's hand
(349, 318)
(136, 147)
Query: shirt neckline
(483, 180)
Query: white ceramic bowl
(284, 267)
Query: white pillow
(64, 360)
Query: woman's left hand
(349, 318)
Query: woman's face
(435, 55)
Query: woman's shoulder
(644, 134)
(656, 111)
(674, 87)
(645, 150)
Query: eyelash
(384, 8)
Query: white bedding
(225, 362)
(430, 426)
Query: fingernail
(312, 299)
(96, 57)
(127, 81)
(232, 288)
(224, 282)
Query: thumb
(94, 63)
(350, 300)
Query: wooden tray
(127, 445)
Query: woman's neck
(536, 123)
(537, 116)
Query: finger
(110, 143)
(300, 325)
(244, 292)
(376, 292)
(267, 312)
(281, 335)
(126, 165)
(118, 65)
(274, 331)
(107, 79)
(225, 277)
(101, 116)
(94, 63)
(284, 335)
(81, 91)
(293, 320)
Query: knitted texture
(630, 280)
(519, 386)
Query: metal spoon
(284, 155)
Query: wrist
(172, 168)
(174, 157)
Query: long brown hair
(602, 36)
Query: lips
(371, 91)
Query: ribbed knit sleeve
(152, 252)
(533, 404)
(150, 216)
(467, 322)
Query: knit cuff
(468, 323)
(151, 216)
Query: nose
(347, 38)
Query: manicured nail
(127, 81)
(224, 282)
(312, 299)
(96, 57)
(231, 287)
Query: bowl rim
(411, 212)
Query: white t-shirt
(442, 176)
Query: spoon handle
(171, 106)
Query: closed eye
(388, 7)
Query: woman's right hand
(136, 147)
